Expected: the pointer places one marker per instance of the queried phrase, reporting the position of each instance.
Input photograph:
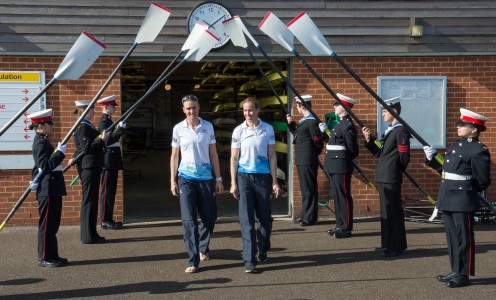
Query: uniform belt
(116, 144)
(452, 176)
(335, 147)
(58, 169)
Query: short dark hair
(307, 104)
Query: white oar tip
(161, 6)
(235, 31)
(296, 18)
(213, 35)
(201, 24)
(94, 39)
(305, 30)
(201, 45)
(154, 21)
(230, 19)
(264, 19)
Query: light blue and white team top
(253, 145)
(194, 144)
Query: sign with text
(16, 90)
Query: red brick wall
(60, 97)
(471, 84)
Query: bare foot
(191, 270)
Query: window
(423, 106)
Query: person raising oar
(49, 189)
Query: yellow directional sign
(19, 77)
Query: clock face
(211, 14)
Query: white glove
(322, 127)
(122, 125)
(61, 147)
(434, 215)
(33, 186)
(429, 152)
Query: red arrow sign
(25, 91)
(26, 129)
(26, 121)
(25, 99)
(26, 114)
(26, 137)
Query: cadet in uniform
(308, 141)
(49, 188)
(194, 138)
(394, 156)
(466, 172)
(342, 148)
(112, 163)
(89, 169)
(253, 180)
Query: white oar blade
(194, 34)
(154, 21)
(235, 32)
(201, 46)
(309, 35)
(272, 26)
(245, 31)
(80, 57)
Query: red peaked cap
(41, 116)
(110, 100)
(468, 117)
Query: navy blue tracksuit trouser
(254, 198)
(197, 196)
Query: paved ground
(148, 261)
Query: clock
(211, 14)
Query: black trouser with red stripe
(343, 202)
(50, 209)
(107, 194)
(459, 227)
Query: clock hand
(212, 25)
(207, 23)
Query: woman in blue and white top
(195, 139)
(253, 180)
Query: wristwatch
(219, 179)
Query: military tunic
(111, 167)
(342, 148)
(89, 168)
(308, 143)
(394, 156)
(466, 172)
(49, 194)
